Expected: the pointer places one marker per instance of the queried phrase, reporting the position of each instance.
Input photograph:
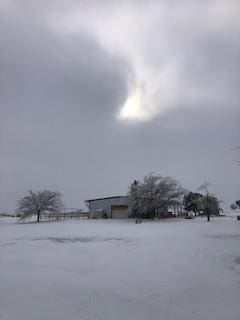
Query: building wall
(105, 204)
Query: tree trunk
(208, 217)
(38, 215)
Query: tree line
(202, 204)
(149, 198)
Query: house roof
(105, 198)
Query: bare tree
(39, 202)
(152, 194)
(209, 203)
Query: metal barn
(114, 207)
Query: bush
(233, 206)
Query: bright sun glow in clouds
(133, 108)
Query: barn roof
(114, 197)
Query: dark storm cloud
(55, 93)
(46, 70)
(64, 77)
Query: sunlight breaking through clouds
(133, 108)
(168, 48)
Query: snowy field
(112, 270)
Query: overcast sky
(94, 94)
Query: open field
(115, 269)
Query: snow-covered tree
(39, 202)
(153, 194)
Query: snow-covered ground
(110, 270)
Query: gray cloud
(67, 68)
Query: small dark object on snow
(104, 215)
(138, 221)
(238, 217)
(189, 216)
